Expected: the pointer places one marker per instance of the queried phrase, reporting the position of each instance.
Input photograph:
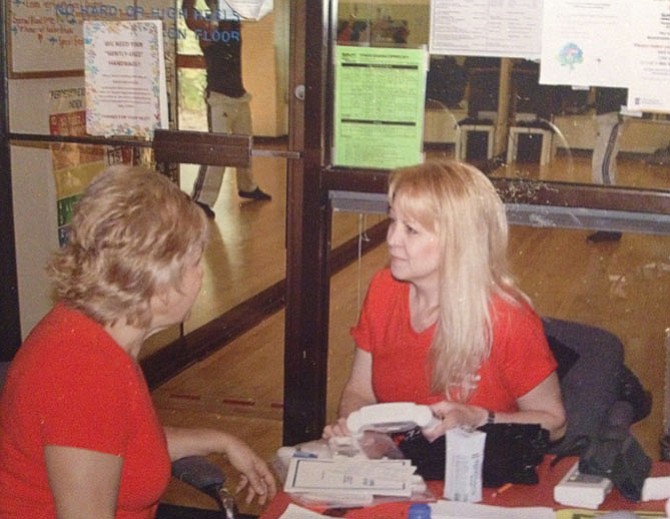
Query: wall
(34, 193)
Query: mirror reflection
(495, 113)
(231, 77)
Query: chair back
(589, 380)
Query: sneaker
(601, 236)
(208, 210)
(256, 194)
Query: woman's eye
(410, 229)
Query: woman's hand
(255, 474)
(452, 414)
(339, 428)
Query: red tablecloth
(541, 494)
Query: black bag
(511, 453)
(617, 455)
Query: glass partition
(495, 113)
(247, 253)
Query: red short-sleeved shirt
(520, 356)
(70, 384)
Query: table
(541, 494)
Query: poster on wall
(126, 92)
(649, 87)
(74, 165)
(587, 42)
(379, 106)
(45, 37)
(497, 28)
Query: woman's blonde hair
(459, 203)
(128, 239)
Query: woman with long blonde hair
(445, 324)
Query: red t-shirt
(71, 385)
(520, 356)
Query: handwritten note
(46, 36)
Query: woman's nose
(392, 234)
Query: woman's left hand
(255, 474)
(452, 414)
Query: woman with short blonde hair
(121, 249)
(79, 436)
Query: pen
(502, 489)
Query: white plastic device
(391, 417)
(582, 490)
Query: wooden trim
(190, 61)
(10, 324)
(188, 147)
(520, 191)
(307, 233)
(590, 196)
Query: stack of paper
(455, 509)
(582, 490)
(350, 481)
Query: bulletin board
(46, 36)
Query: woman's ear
(160, 301)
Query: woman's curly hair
(129, 235)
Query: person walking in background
(609, 128)
(220, 38)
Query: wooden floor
(623, 287)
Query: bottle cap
(419, 511)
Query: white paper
(649, 88)
(126, 91)
(586, 42)
(456, 510)
(297, 512)
(247, 9)
(505, 28)
(340, 476)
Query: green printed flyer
(379, 106)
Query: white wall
(34, 193)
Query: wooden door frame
(10, 322)
(307, 228)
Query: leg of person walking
(208, 182)
(241, 124)
(603, 163)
